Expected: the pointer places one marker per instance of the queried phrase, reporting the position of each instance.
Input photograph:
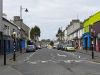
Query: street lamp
(21, 8)
(92, 41)
(14, 36)
(26, 10)
(5, 27)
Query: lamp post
(26, 10)
(14, 35)
(4, 56)
(21, 8)
(92, 41)
(5, 27)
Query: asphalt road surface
(57, 62)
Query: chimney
(16, 18)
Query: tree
(52, 43)
(59, 34)
(35, 33)
(32, 34)
(45, 40)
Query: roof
(92, 19)
(74, 21)
(9, 22)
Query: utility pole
(14, 36)
(1, 31)
(92, 41)
(14, 55)
(1, 12)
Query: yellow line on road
(93, 62)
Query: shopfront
(1, 49)
(86, 41)
(98, 43)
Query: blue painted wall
(23, 44)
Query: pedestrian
(76, 46)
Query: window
(5, 27)
(8, 30)
(13, 30)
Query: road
(57, 62)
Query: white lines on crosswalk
(78, 56)
(58, 61)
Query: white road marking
(44, 61)
(31, 62)
(76, 61)
(27, 58)
(62, 55)
(36, 62)
(79, 56)
(52, 56)
(58, 61)
(75, 55)
(68, 61)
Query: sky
(49, 15)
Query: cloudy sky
(49, 15)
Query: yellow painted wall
(90, 21)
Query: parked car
(69, 47)
(55, 47)
(31, 48)
(60, 47)
(38, 47)
(50, 47)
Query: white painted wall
(65, 35)
(1, 7)
(80, 33)
(8, 30)
(73, 27)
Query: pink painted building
(96, 28)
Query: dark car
(60, 47)
(31, 48)
(37, 46)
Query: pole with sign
(14, 44)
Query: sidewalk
(89, 52)
(8, 70)
(8, 57)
